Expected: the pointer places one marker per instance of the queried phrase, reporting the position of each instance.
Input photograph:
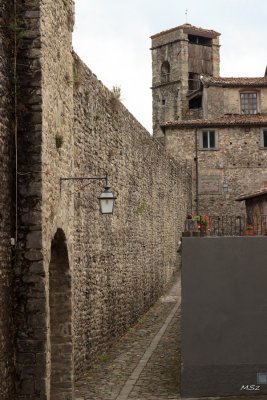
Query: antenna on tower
(186, 15)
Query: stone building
(72, 280)
(256, 210)
(216, 126)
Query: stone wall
(239, 160)
(169, 99)
(114, 268)
(170, 93)
(6, 146)
(219, 100)
(57, 18)
(122, 262)
(44, 115)
(81, 279)
(30, 282)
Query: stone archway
(60, 306)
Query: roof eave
(215, 124)
(190, 29)
(251, 196)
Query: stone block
(34, 240)
(27, 386)
(33, 255)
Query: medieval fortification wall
(81, 279)
(6, 137)
(123, 262)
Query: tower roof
(190, 30)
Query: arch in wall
(60, 307)
(165, 71)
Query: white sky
(113, 38)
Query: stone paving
(144, 363)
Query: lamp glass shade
(107, 200)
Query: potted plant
(249, 230)
(196, 230)
(204, 225)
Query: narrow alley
(145, 362)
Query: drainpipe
(16, 123)
(197, 179)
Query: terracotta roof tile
(251, 195)
(190, 29)
(234, 82)
(226, 120)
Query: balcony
(225, 225)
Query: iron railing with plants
(225, 225)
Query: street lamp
(106, 198)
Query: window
(248, 103)
(165, 72)
(208, 140)
(195, 103)
(203, 41)
(264, 138)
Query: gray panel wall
(224, 315)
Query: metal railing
(226, 225)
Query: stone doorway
(60, 305)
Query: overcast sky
(113, 38)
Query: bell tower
(179, 57)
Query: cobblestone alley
(144, 363)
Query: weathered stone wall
(57, 201)
(30, 309)
(124, 261)
(239, 160)
(167, 97)
(170, 94)
(80, 278)
(219, 100)
(216, 58)
(213, 102)
(45, 148)
(6, 146)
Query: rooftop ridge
(188, 28)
